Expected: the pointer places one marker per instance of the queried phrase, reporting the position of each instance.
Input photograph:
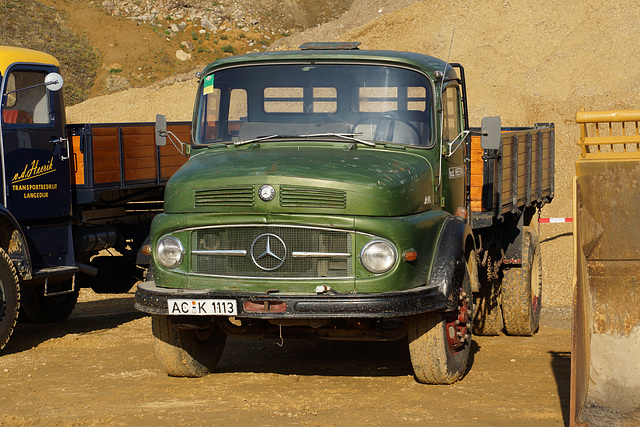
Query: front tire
(44, 309)
(186, 352)
(440, 343)
(522, 289)
(9, 298)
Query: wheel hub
(458, 323)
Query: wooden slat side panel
(139, 149)
(107, 177)
(139, 152)
(78, 161)
(539, 186)
(106, 155)
(476, 194)
(476, 170)
(110, 131)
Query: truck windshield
(370, 102)
(27, 100)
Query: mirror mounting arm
(162, 134)
(53, 82)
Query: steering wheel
(385, 126)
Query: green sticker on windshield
(208, 85)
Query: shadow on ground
(87, 317)
(561, 365)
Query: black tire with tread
(431, 356)
(9, 298)
(45, 309)
(521, 290)
(487, 313)
(186, 352)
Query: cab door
(453, 166)
(35, 160)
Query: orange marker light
(410, 255)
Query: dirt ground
(99, 367)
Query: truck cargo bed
(121, 156)
(519, 174)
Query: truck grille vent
(271, 252)
(310, 197)
(225, 196)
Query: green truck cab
(328, 194)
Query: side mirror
(53, 82)
(491, 128)
(161, 130)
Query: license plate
(204, 307)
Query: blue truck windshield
(371, 102)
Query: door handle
(65, 143)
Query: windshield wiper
(347, 136)
(261, 138)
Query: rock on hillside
(263, 15)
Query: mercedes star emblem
(268, 251)
(266, 193)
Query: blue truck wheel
(9, 298)
(44, 309)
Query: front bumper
(153, 300)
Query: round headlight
(378, 256)
(169, 252)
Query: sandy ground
(99, 367)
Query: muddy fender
(449, 260)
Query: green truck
(338, 193)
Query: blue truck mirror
(53, 82)
(491, 138)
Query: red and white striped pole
(554, 220)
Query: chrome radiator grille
(271, 252)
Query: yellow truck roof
(10, 55)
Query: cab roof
(313, 52)
(11, 55)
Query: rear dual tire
(522, 289)
(514, 304)
(487, 320)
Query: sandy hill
(525, 61)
